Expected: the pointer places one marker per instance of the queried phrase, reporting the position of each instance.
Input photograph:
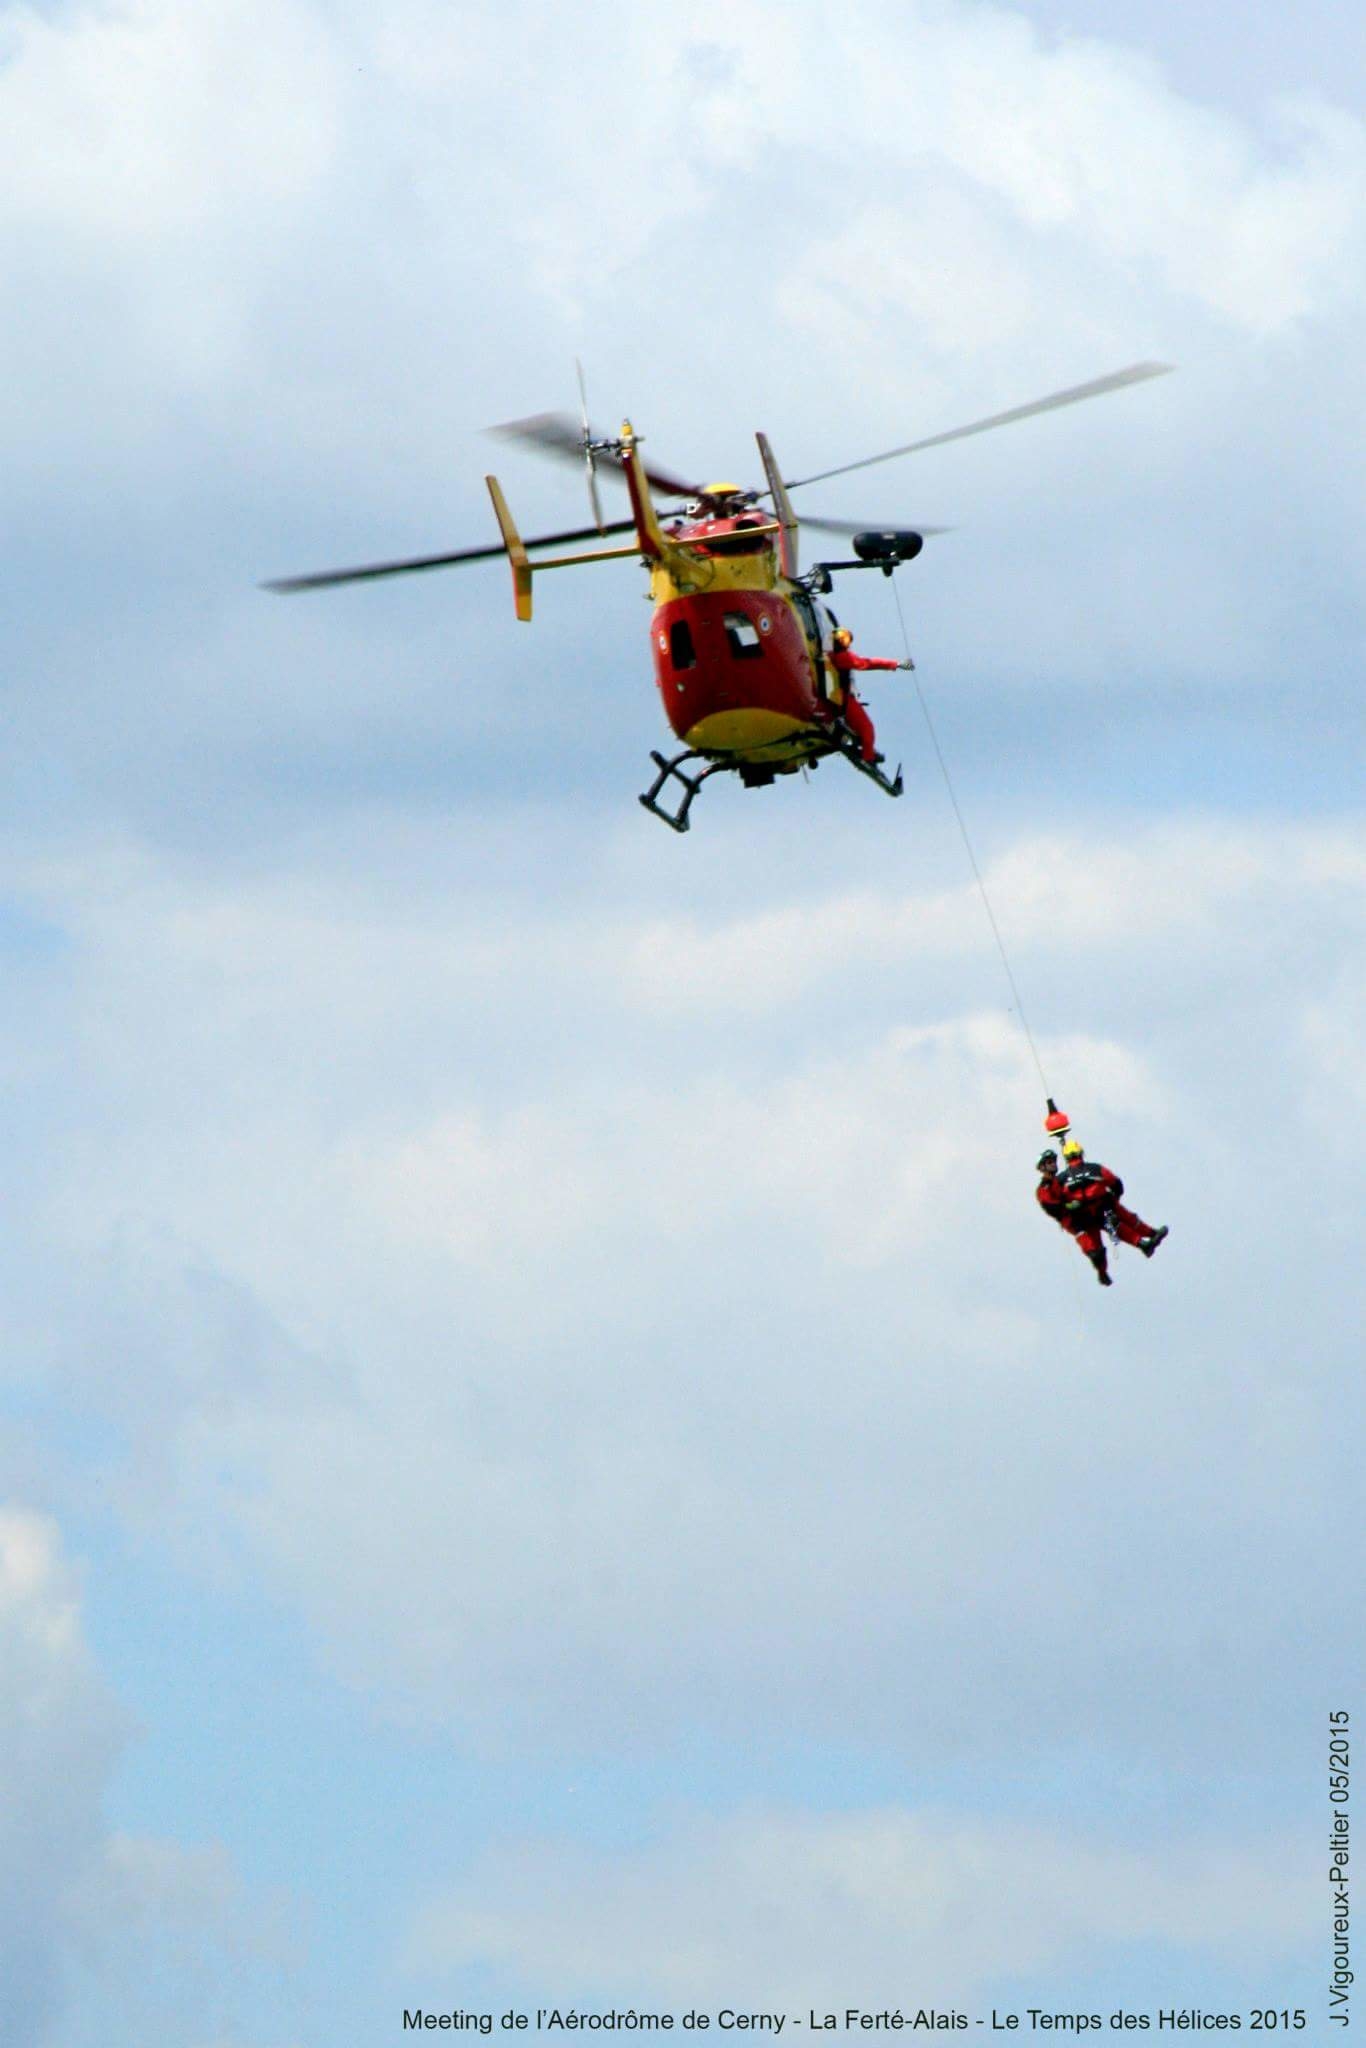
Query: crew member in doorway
(844, 659)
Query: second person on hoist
(1084, 1198)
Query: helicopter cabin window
(682, 653)
(742, 636)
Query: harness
(1081, 1183)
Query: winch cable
(1019, 1009)
(967, 844)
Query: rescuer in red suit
(855, 712)
(1084, 1199)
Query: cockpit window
(682, 653)
(742, 635)
(806, 612)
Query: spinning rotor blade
(1135, 374)
(327, 577)
(593, 498)
(851, 526)
(559, 435)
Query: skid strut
(678, 819)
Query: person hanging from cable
(853, 709)
(1048, 1194)
(1084, 1199)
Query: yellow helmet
(1071, 1149)
(842, 637)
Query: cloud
(1011, 192)
(1334, 1057)
(808, 1909)
(533, 1336)
(175, 1941)
(1182, 884)
(92, 1919)
(166, 125)
(189, 155)
(60, 1734)
(1086, 144)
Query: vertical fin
(642, 504)
(517, 554)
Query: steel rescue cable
(991, 917)
(967, 843)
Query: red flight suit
(1082, 1198)
(855, 710)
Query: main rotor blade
(325, 578)
(557, 434)
(1135, 374)
(850, 526)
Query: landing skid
(853, 754)
(677, 820)
(673, 771)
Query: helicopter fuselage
(741, 652)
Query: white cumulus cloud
(775, 1911)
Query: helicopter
(742, 644)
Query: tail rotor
(589, 451)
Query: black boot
(1148, 1245)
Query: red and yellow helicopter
(742, 644)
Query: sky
(547, 1456)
